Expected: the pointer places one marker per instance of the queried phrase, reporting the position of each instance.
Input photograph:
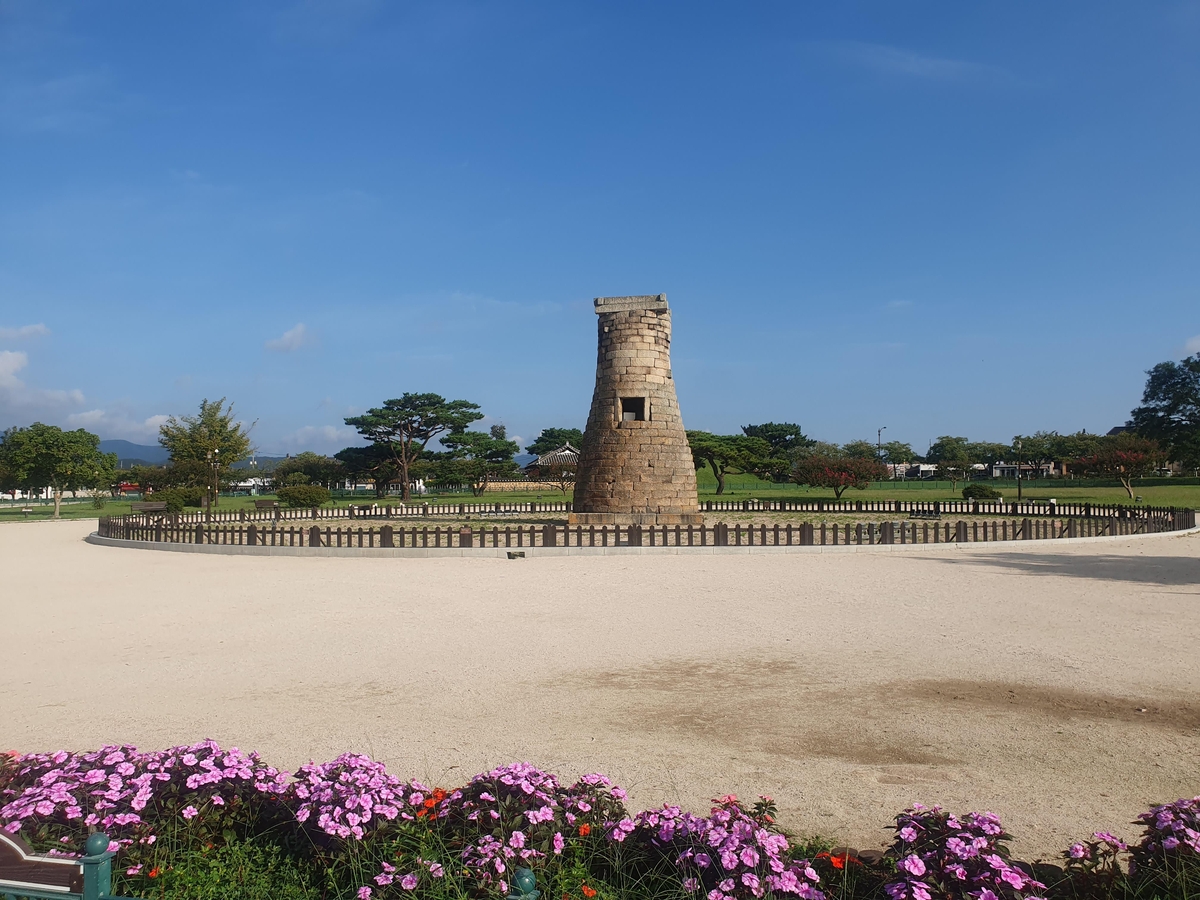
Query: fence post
(385, 536)
(806, 534)
(887, 533)
(314, 536)
(97, 867)
(960, 532)
(720, 535)
(252, 535)
(466, 537)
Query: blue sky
(974, 219)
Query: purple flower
(409, 881)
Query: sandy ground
(1057, 687)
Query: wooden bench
(24, 873)
(924, 514)
(149, 507)
(266, 504)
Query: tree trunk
(58, 501)
(1126, 483)
(719, 472)
(837, 491)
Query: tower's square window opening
(633, 409)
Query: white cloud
(1193, 344)
(20, 403)
(11, 362)
(110, 424)
(293, 339)
(25, 331)
(899, 62)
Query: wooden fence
(173, 530)
(1029, 508)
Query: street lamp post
(1018, 471)
(214, 460)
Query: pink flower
(913, 865)
(409, 882)
(364, 893)
(559, 843)
(190, 812)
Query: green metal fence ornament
(26, 874)
(524, 886)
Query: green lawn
(738, 487)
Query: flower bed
(182, 817)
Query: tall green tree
(784, 437)
(475, 458)
(407, 424)
(786, 441)
(897, 453)
(323, 470)
(46, 456)
(861, 450)
(728, 454)
(553, 438)
(953, 458)
(374, 463)
(1170, 410)
(213, 438)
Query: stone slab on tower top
(625, 304)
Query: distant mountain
(129, 453)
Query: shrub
(177, 498)
(302, 496)
(246, 870)
(938, 854)
(980, 492)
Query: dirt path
(1058, 687)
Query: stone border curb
(502, 552)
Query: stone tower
(635, 466)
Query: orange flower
(153, 873)
(585, 829)
(587, 891)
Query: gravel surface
(1056, 686)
